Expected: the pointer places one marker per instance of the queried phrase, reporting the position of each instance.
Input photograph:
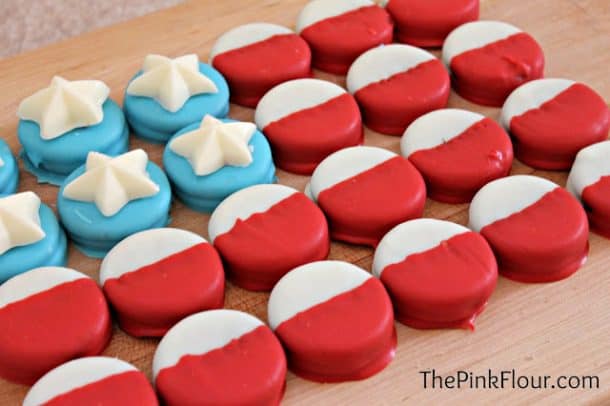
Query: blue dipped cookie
(34, 237)
(169, 94)
(61, 124)
(110, 198)
(208, 161)
(9, 170)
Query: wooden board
(551, 329)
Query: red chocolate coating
(444, 287)
(124, 389)
(391, 105)
(549, 137)
(250, 370)
(426, 23)
(49, 328)
(362, 209)
(596, 200)
(487, 75)
(254, 69)
(456, 170)
(544, 242)
(294, 230)
(348, 337)
(152, 299)
(337, 41)
(300, 141)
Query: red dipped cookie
(365, 192)
(220, 357)
(490, 59)
(426, 23)
(256, 57)
(92, 381)
(550, 120)
(264, 231)
(155, 278)
(339, 30)
(395, 84)
(49, 316)
(306, 120)
(335, 321)
(538, 231)
(439, 274)
(589, 182)
(457, 152)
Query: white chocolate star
(19, 221)
(215, 144)
(111, 183)
(171, 82)
(65, 105)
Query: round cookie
(220, 357)
(263, 219)
(155, 278)
(9, 170)
(258, 56)
(339, 30)
(170, 94)
(589, 182)
(110, 198)
(457, 152)
(335, 321)
(32, 237)
(379, 77)
(426, 23)
(61, 124)
(305, 120)
(208, 161)
(550, 120)
(92, 381)
(48, 316)
(538, 231)
(439, 274)
(365, 191)
(490, 59)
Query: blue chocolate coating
(9, 172)
(204, 193)
(50, 251)
(149, 120)
(94, 234)
(52, 160)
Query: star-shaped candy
(171, 82)
(111, 183)
(65, 105)
(19, 221)
(215, 144)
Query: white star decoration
(65, 105)
(111, 183)
(171, 82)
(215, 144)
(1, 163)
(19, 221)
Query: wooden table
(550, 329)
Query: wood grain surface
(553, 329)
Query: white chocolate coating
(201, 333)
(504, 197)
(19, 221)
(591, 164)
(383, 62)
(146, 248)
(436, 128)
(412, 237)
(318, 10)
(244, 35)
(474, 35)
(73, 375)
(293, 96)
(309, 285)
